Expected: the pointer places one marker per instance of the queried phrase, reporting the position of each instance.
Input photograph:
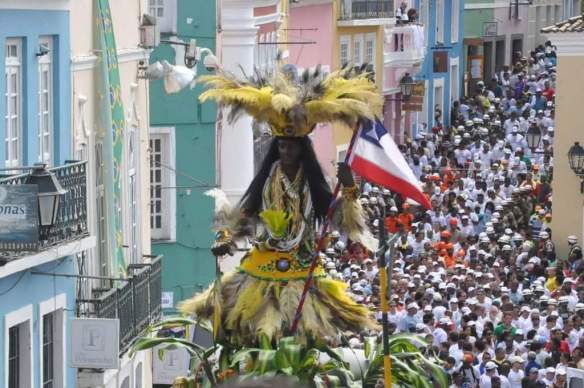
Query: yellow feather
(282, 102)
(247, 304)
(269, 322)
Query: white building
(89, 142)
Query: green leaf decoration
(276, 221)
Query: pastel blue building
(35, 125)
(442, 68)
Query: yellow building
(568, 201)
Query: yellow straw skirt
(250, 306)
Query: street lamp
(576, 160)
(533, 137)
(406, 85)
(50, 191)
(149, 34)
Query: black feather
(235, 111)
(305, 76)
(317, 72)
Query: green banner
(112, 122)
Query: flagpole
(321, 241)
(382, 263)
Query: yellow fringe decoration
(252, 306)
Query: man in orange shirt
(444, 240)
(391, 221)
(448, 259)
(406, 218)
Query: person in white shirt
(490, 371)
(548, 379)
(524, 320)
(516, 374)
(440, 335)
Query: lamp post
(49, 191)
(406, 85)
(533, 138)
(576, 160)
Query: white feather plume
(222, 203)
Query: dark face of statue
(290, 151)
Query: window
(156, 8)
(45, 103)
(18, 364)
(133, 194)
(102, 246)
(370, 50)
(52, 345)
(345, 50)
(13, 97)
(162, 184)
(138, 376)
(454, 21)
(439, 22)
(357, 50)
(48, 359)
(165, 13)
(454, 89)
(438, 97)
(13, 357)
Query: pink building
(311, 31)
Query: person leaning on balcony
(401, 15)
(412, 15)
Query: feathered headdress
(293, 105)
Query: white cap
(490, 365)
(413, 305)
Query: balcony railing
(71, 221)
(366, 9)
(404, 44)
(136, 302)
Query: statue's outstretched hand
(222, 249)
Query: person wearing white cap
(439, 334)
(516, 374)
(548, 378)
(490, 371)
(408, 322)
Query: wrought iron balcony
(136, 302)
(71, 222)
(366, 9)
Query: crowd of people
(478, 276)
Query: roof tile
(573, 24)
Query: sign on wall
(95, 343)
(476, 66)
(489, 29)
(169, 364)
(19, 217)
(440, 61)
(416, 101)
(167, 300)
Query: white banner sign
(174, 363)
(95, 343)
(167, 300)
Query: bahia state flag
(376, 158)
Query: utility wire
(198, 181)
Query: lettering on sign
(95, 343)
(19, 217)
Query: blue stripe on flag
(373, 132)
